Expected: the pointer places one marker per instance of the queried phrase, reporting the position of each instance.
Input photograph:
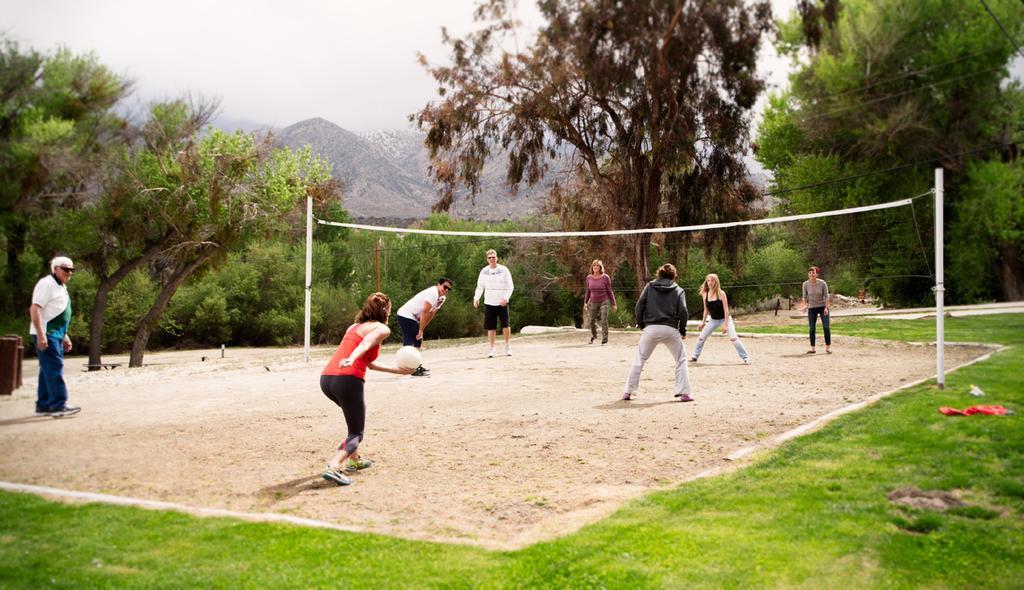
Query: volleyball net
(863, 251)
(769, 257)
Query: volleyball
(408, 357)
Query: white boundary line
(158, 505)
(272, 517)
(621, 232)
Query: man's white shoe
(508, 350)
(490, 355)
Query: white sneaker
(508, 350)
(65, 411)
(746, 361)
(490, 355)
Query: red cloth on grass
(990, 410)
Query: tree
(56, 119)
(994, 219)
(652, 99)
(892, 84)
(117, 232)
(216, 194)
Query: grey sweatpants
(651, 337)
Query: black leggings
(347, 392)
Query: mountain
(230, 125)
(385, 174)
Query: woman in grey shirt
(815, 301)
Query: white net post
(940, 335)
(309, 273)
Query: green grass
(811, 514)
(996, 329)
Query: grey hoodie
(662, 303)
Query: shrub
(211, 324)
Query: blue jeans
(52, 392)
(410, 329)
(812, 318)
(713, 325)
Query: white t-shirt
(52, 298)
(413, 308)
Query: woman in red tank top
(343, 378)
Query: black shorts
(492, 313)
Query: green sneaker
(336, 476)
(353, 465)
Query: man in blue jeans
(51, 314)
(416, 314)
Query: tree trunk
(17, 300)
(638, 254)
(145, 325)
(1010, 272)
(99, 306)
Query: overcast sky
(352, 62)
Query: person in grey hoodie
(661, 314)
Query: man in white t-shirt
(417, 313)
(495, 284)
(50, 313)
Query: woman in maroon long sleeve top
(598, 297)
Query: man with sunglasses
(416, 314)
(51, 314)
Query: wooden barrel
(20, 357)
(10, 363)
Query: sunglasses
(446, 287)
(492, 258)
(66, 269)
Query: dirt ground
(496, 452)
